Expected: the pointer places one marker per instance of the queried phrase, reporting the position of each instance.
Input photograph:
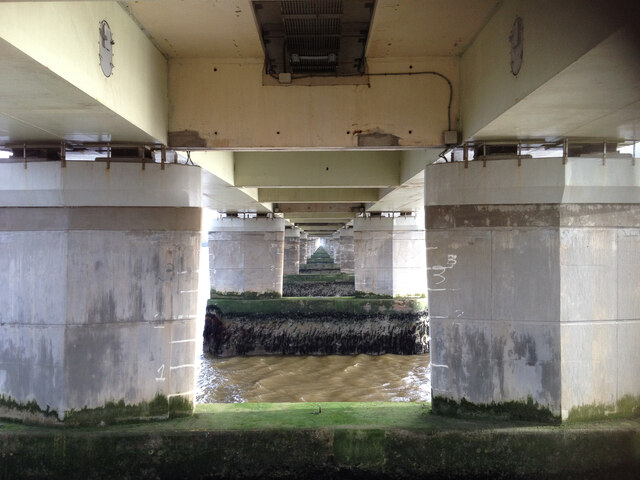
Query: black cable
(389, 74)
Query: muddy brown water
(332, 378)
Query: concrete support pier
(99, 274)
(389, 255)
(291, 251)
(346, 250)
(303, 249)
(246, 255)
(534, 283)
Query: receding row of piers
(533, 271)
(385, 254)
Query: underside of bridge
(501, 128)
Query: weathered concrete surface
(303, 249)
(373, 440)
(389, 255)
(246, 255)
(346, 250)
(531, 298)
(291, 251)
(315, 327)
(97, 305)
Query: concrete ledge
(374, 440)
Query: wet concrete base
(315, 327)
(290, 441)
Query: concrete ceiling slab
(421, 28)
(225, 29)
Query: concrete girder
(317, 169)
(319, 207)
(130, 105)
(318, 195)
(576, 81)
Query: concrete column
(246, 255)
(534, 282)
(346, 250)
(99, 270)
(311, 246)
(389, 257)
(303, 248)
(335, 248)
(291, 251)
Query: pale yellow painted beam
(320, 228)
(222, 103)
(555, 35)
(319, 195)
(320, 207)
(317, 169)
(63, 36)
(319, 216)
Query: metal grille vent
(314, 37)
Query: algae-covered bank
(316, 326)
(327, 440)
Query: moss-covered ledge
(159, 408)
(321, 305)
(327, 440)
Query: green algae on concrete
(159, 408)
(320, 278)
(627, 406)
(381, 440)
(513, 410)
(244, 295)
(319, 305)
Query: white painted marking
(186, 365)
(190, 392)
(160, 371)
(188, 291)
(439, 366)
(183, 341)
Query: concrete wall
(246, 255)
(99, 303)
(291, 251)
(537, 297)
(389, 255)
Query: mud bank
(315, 326)
(336, 285)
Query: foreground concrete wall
(291, 251)
(346, 250)
(98, 303)
(246, 255)
(531, 298)
(389, 257)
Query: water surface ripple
(332, 378)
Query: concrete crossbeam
(317, 169)
(318, 195)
